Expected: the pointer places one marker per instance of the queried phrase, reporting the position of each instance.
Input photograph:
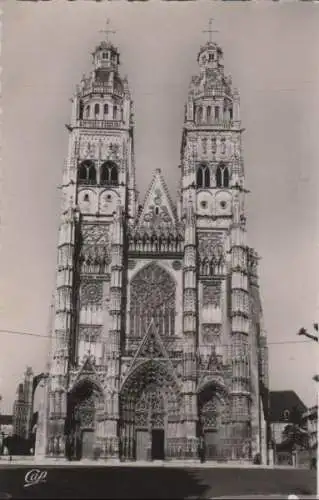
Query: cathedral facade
(158, 348)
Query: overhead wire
(38, 335)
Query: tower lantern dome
(106, 56)
(210, 56)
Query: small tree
(294, 434)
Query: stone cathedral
(158, 349)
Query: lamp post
(315, 338)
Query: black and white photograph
(159, 248)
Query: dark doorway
(157, 444)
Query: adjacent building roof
(283, 404)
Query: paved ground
(156, 482)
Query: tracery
(152, 296)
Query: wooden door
(87, 444)
(142, 438)
(211, 445)
(158, 444)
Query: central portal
(158, 447)
(149, 401)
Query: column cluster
(239, 328)
(113, 352)
(190, 329)
(63, 343)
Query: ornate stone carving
(90, 333)
(114, 150)
(211, 244)
(85, 413)
(177, 265)
(204, 145)
(212, 293)
(96, 260)
(95, 234)
(210, 333)
(91, 293)
(156, 217)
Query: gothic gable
(158, 209)
(87, 372)
(152, 348)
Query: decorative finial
(210, 31)
(107, 31)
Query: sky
(270, 49)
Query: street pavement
(46, 480)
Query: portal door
(158, 444)
(142, 439)
(87, 444)
(211, 445)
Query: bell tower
(212, 185)
(98, 199)
(211, 145)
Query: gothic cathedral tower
(226, 302)
(98, 185)
(158, 348)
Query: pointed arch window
(81, 110)
(199, 114)
(152, 296)
(96, 110)
(87, 172)
(230, 113)
(106, 109)
(222, 176)
(203, 176)
(216, 112)
(209, 114)
(109, 174)
(114, 112)
(87, 111)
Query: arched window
(82, 173)
(209, 113)
(203, 176)
(199, 114)
(96, 110)
(87, 112)
(114, 112)
(87, 172)
(152, 296)
(226, 177)
(109, 174)
(230, 113)
(81, 110)
(222, 176)
(106, 109)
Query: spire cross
(210, 31)
(107, 31)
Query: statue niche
(153, 292)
